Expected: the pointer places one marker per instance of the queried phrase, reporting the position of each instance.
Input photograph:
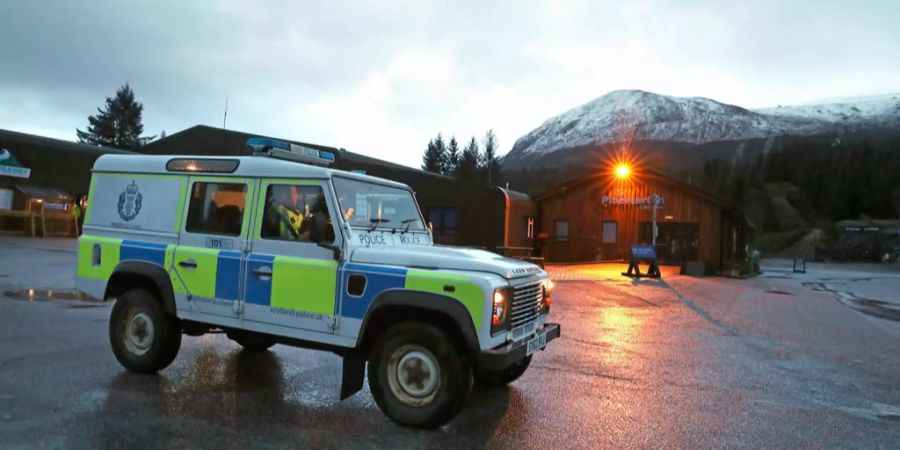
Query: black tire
(252, 342)
(143, 337)
(504, 376)
(416, 345)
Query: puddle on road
(877, 308)
(41, 295)
(780, 292)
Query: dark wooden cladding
(692, 223)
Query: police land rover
(274, 248)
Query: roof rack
(289, 151)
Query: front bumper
(502, 357)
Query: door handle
(263, 272)
(188, 263)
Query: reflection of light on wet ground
(601, 271)
(32, 294)
(619, 329)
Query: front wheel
(504, 376)
(144, 338)
(417, 376)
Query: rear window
(217, 208)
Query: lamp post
(654, 203)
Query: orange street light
(623, 171)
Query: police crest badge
(130, 202)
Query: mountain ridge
(636, 115)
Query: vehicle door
(291, 273)
(210, 254)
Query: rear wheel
(143, 337)
(252, 342)
(504, 376)
(417, 376)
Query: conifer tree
(453, 156)
(468, 162)
(432, 159)
(117, 124)
(490, 161)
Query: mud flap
(353, 374)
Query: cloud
(384, 77)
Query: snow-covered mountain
(870, 110)
(635, 116)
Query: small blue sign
(643, 251)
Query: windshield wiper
(375, 221)
(408, 223)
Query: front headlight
(500, 310)
(546, 287)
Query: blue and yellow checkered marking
(151, 252)
(303, 284)
(378, 280)
(228, 272)
(259, 292)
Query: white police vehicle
(272, 249)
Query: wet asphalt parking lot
(685, 362)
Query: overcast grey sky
(383, 77)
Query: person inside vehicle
(346, 210)
(286, 215)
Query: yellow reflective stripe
(302, 284)
(202, 280)
(109, 257)
(468, 293)
(179, 215)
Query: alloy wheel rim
(139, 332)
(414, 375)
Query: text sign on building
(10, 167)
(621, 199)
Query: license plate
(536, 343)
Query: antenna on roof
(225, 118)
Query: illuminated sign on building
(620, 199)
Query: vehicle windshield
(375, 206)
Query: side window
(562, 230)
(296, 212)
(609, 232)
(217, 208)
(443, 219)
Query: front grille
(526, 304)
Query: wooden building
(598, 217)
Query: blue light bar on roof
(289, 151)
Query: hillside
(688, 130)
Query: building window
(561, 230)
(217, 208)
(443, 220)
(609, 232)
(528, 227)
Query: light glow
(623, 170)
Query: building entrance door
(675, 241)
